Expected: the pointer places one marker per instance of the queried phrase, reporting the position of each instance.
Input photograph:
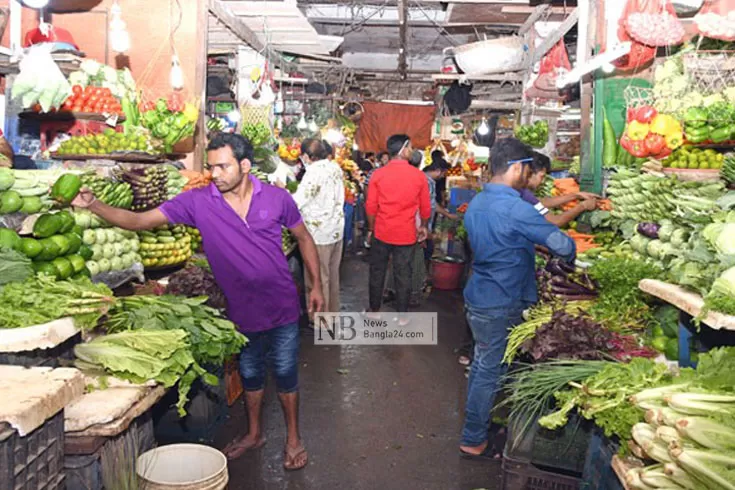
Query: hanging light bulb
(278, 107)
(176, 78)
(313, 127)
(302, 125)
(483, 129)
(36, 4)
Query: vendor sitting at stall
(240, 220)
(540, 167)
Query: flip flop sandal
(464, 360)
(233, 447)
(293, 457)
(486, 455)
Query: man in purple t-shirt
(240, 220)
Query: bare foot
(241, 445)
(474, 450)
(295, 458)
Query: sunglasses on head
(524, 161)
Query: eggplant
(648, 229)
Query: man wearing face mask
(395, 193)
(502, 229)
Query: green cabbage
(721, 236)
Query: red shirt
(395, 193)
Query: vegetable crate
(598, 472)
(76, 127)
(564, 449)
(86, 458)
(518, 475)
(33, 462)
(42, 357)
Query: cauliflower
(109, 74)
(90, 67)
(79, 78)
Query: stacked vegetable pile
(22, 192)
(291, 151)
(108, 143)
(728, 170)
(56, 247)
(149, 185)
(195, 280)
(261, 136)
(649, 133)
(535, 135)
(92, 73)
(109, 191)
(112, 248)
(169, 120)
(165, 246)
(689, 429)
(712, 122)
(564, 282)
(41, 299)
(694, 158)
(92, 100)
(196, 239)
(175, 182)
(195, 180)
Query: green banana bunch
(111, 192)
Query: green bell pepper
(721, 134)
(162, 130)
(697, 135)
(695, 117)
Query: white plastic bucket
(183, 467)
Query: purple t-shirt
(531, 198)
(245, 255)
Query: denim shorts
(277, 348)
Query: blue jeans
(277, 347)
(490, 332)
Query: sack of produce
(40, 80)
(553, 64)
(717, 20)
(653, 22)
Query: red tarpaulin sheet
(380, 120)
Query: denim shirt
(502, 229)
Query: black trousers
(380, 254)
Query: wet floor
(372, 417)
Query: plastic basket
(564, 449)
(33, 462)
(598, 472)
(518, 475)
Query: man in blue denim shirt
(503, 230)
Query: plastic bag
(652, 22)
(553, 64)
(716, 19)
(639, 55)
(40, 80)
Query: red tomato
(77, 108)
(106, 92)
(77, 89)
(68, 105)
(89, 89)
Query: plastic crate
(518, 475)
(85, 471)
(598, 472)
(33, 462)
(563, 449)
(42, 357)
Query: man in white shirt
(320, 198)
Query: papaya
(47, 225)
(66, 188)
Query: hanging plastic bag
(40, 80)
(716, 19)
(553, 64)
(653, 22)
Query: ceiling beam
(536, 15)
(554, 37)
(402, 37)
(495, 104)
(500, 77)
(225, 15)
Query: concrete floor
(389, 419)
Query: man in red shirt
(396, 194)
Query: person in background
(437, 157)
(240, 219)
(540, 168)
(363, 164)
(320, 198)
(370, 157)
(395, 194)
(503, 230)
(381, 161)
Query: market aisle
(383, 418)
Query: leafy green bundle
(213, 339)
(620, 304)
(14, 266)
(41, 299)
(160, 355)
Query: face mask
(415, 158)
